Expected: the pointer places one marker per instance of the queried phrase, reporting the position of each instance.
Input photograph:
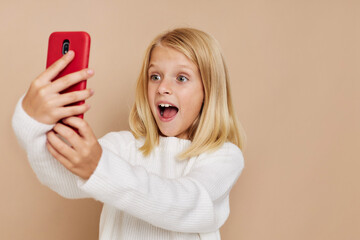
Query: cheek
(193, 107)
(150, 99)
(150, 93)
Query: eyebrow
(180, 65)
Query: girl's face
(175, 91)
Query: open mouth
(167, 110)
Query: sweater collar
(171, 141)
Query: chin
(167, 134)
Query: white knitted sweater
(154, 197)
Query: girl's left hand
(82, 157)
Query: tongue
(169, 112)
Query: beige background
(294, 69)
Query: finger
(61, 148)
(65, 162)
(73, 97)
(69, 111)
(51, 72)
(81, 125)
(71, 79)
(70, 136)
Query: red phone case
(79, 42)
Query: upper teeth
(165, 105)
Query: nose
(165, 87)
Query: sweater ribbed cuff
(25, 127)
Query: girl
(171, 175)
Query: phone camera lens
(65, 46)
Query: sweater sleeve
(31, 135)
(197, 202)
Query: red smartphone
(59, 44)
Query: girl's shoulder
(227, 149)
(121, 140)
(122, 136)
(228, 153)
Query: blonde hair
(217, 122)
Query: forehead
(162, 56)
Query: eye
(155, 77)
(182, 78)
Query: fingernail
(70, 54)
(90, 71)
(92, 91)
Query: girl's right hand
(46, 104)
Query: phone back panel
(79, 42)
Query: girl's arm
(32, 137)
(197, 202)
(36, 114)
